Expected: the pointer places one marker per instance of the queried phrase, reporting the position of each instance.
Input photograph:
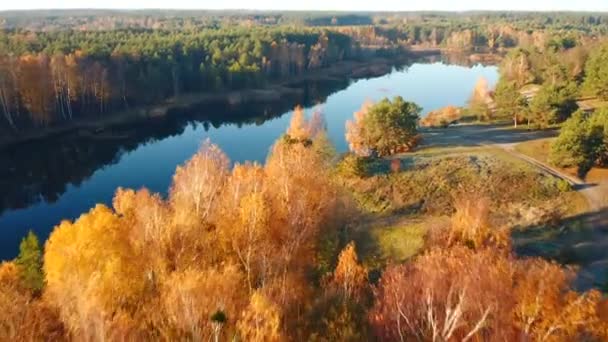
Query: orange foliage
(441, 117)
(91, 271)
(355, 131)
(190, 298)
(261, 320)
(350, 277)
(464, 294)
(301, 129)
(23, 318)
(166, 262)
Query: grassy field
(392, 239)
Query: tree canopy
(384, 128)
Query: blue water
(152, 164)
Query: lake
(63, 177)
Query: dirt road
(586, 248)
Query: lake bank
(95, 125)
(48, 180)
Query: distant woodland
(59, 66)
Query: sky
(344, 5)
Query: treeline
(542, 86)
(261, 253)
(45, 20)
(59, 76)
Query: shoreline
(94, 126)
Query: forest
(392, 240)
(76, 66)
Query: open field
(581, 237)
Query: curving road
(586, 248)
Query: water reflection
(48, 180)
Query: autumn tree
(246, 214)
(442, 117)
(261, 320)
(24, 315)
(350, 277)
(91, 271)
(453, 294)
(517, 68)
(481, 103)
(464, 294)
(198, 183)
(384, 128)
(192, 298)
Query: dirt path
(504, 137)
(569, 244)
(594, 194)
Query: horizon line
(601, 11)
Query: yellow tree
(261, 321)
(198, 183)
(546, 309)
(350, 276)
(191, 298)
(245, 216)
(480, 102)
(355, 131)
(91, 271)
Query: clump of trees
(553, 104)
(582, 142)
(384, 128)
(227, 253)
(468, 288)
(596, 73)
(442, 117)
(541, 86)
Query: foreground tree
(466, 295)
(385, 128)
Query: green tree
(553, 104)
(510, 103)
(582, 141)
(30, 262)
(596, 71)
(384, 128)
